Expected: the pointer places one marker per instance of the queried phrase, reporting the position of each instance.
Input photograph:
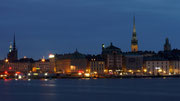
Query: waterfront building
(96, 65)
(42, 66)
(52, 63)
(134, 41)
(133, 63)
(23, 65)
(175, 66)
(157, 65)
(113, 58)
(68, 63)
(13, 53)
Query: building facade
(133, 62)
(68, 63)
(113, 58)
(157, 66)
(23, 65)
(42, 66)
(96, 65)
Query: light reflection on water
(90, 89)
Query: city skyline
(61, 29)
(104, 50)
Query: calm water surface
(91, 90)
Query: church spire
(13, 54)
(14, 42)
(134, 41)
(134, 26)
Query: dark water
(91, 90)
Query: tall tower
(14, 42)
(167, 45)
(134, 41)
(12, 55)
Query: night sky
(61, 26)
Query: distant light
(37, 68)
(35, 74)
(145, 70)
(6, 60)
(130, 71)
(10, 68)
(95, 72)
(51, 56)
(18, 72)
(118, 70)
(88, 70)
(160, 70)
(105, 70)
(43, 60)
(29, 74)
(19, 77)
(72, 68)
(45, 74)
(87, 74)
(25, 57)
(103, 46)
(79, 73)
(157, 67)
(5, 72)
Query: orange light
(80, 71)
(43, 60)
(5, 72)
(18, 72)
(6, 60)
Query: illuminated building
(175, 66)
(13, 53)
(157, 65)
(113, 57)
(23, 65)
(134, 41)
(67, 63)
(96, 64)
(42, 65)
(133, 61)
(52, 61)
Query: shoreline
(109, 77)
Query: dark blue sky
(61, 26)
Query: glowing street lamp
(145, 70)
(43, 60)
(6, 60)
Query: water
(91, 90)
